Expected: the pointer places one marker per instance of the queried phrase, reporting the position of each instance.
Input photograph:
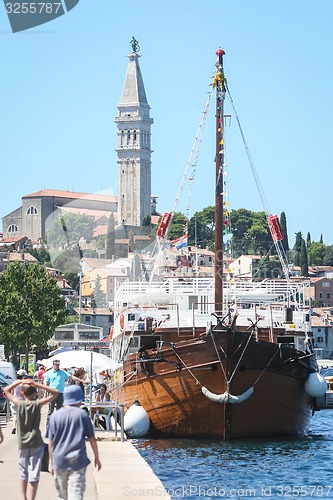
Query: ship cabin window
(131, 317)
(286, 340)
(89, 335)
(149, 342)
(64, 335)
(135, 342)
(193, 302)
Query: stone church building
(134, 201)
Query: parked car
(8, 369)
(3, 399)
(327, 373)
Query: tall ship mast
(219, 162)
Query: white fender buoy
(315, 385)
(226, 397)
(136, 421)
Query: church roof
(70, 194)
(133, 91)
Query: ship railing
(117, 411)
(266, 290)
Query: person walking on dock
(30, 441)
(56, 378)
(67, 432)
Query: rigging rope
(279, 247)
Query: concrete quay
(124, 473)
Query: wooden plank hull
(169, 382)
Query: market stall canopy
(89, 360)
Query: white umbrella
(89, 360)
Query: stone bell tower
(134, 146)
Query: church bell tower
(134, 146)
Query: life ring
(111, 333)
(122, 321)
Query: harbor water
(288, 468)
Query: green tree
(328, 256)
(67, 230)
(316, 253)
(297, 248)
(41, 254)
(178, 226)
(285, 242)
(30, 307)
(98, 298)
(110, 238)
(68, 262)
(146, 225)
(201, 229)
(308, 240)
(250, 232)
(304, 260)
(269, 268)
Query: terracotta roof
(13, 239)
(122, 241)
(21, 256)
(141, 238)
(93, 263)
(155, 218)
(70, 194)
(100, 231)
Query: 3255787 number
(33, 7)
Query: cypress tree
(297, 248)
(285, 242)
(304, 260)
(308, 240)
(110, 239)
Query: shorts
(30, 462)
(70, 484)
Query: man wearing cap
(67, 432)
(56, 379)
(29, 437)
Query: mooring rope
(187, 368)
(125, 382)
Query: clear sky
(61, 83)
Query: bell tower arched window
(13, 229)
(32, 211)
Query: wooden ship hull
(246, 376)
(169, 383)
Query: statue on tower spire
(135, 45)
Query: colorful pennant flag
(180, 242)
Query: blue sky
(61, 84)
